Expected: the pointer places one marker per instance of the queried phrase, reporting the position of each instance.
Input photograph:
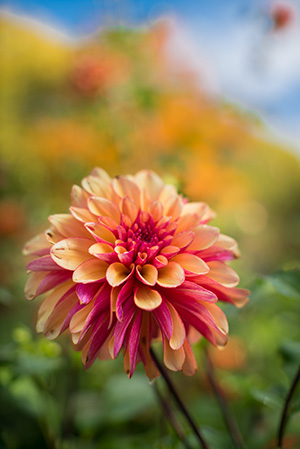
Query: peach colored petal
(33, 283)
(156, 210)
(169, 251)
(222, 273)
(145, 200)
(147, 274)
(101, 174)
(36, 245)
(167, 191)
(189, 368)
(79, 197)
(151, 182)
(117, 273)
(173, 207)
(79, 318)
(147, 299)
(198, 208)
(173, 359)
(68, 226)
(101, 232)
(124, 187)
(53, 236)
(228, 243)
(90, 271)
(178, 335)
(69, 253)
(171, 275)
(205, 236)
(55, 321)
(183, 239)
(218, 316)
(129, 208)
(185, 222)
(100, 248)
(82, 214)
(103, 207)
(191, 263)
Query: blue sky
(232, 34)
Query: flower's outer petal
(189, 367)
(171, 276)
(178, 334)
(218, 316)
(117, 274)
(86, 292)
(133, 344)
(54, 324)
(191, 263)
(173, 207)
(173, 358)
(223, 274)
(186, 222)
(127, 188)
(38, 246)
(96, 186)
(101, 233)
(205, 236)
(101, 174)
(236, 296)
(50, 302)
(52, 280)
(82, 214)
(68, 226)
(228, 243)
(104, 252)
(33, 283)
(146, 298)
(167, 191)
(183, 239)
(90, 271)
(79, 318)
(103, 207)
(121, 328)
(170, 251)
(70, 253)
(79, 197)
(150, 182)
(145, 341)
(147, 274)
(202, 210)
(45, 263)
(53, 236)
(164, 319)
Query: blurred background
(208, 95)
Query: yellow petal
(218, 316)
(191, 263)
(222, 273)
(205, 236)
(228, 243)
(156, 210)
(173, 359)
(55, 321)
(147, 299)
(79, 318)
(82, 214)
(79, 197)
(70, 253)
(129, 208)
(100, 248)
(36, 244)
(147, 274)
(183, 239)
(185, 222)
(90, 271)
(98, 230)
(189, 367)
(117, 273)
(172, 275)
(33, 283)
(167, 191)
(173, 207)
(103, 207)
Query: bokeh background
(209, 97)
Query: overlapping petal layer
(133, 262)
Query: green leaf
(286, 283)
(290, 350)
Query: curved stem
(228, 417)
(178, 400)
(284, 415)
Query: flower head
(133, 262)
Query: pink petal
(169, 251)
(121, 327)
(45, 263)
(37, 246)
(104, 252)
(51, 280)
(134, 340)
(164, 319)
(86, 292)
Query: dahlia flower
(133, 262)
